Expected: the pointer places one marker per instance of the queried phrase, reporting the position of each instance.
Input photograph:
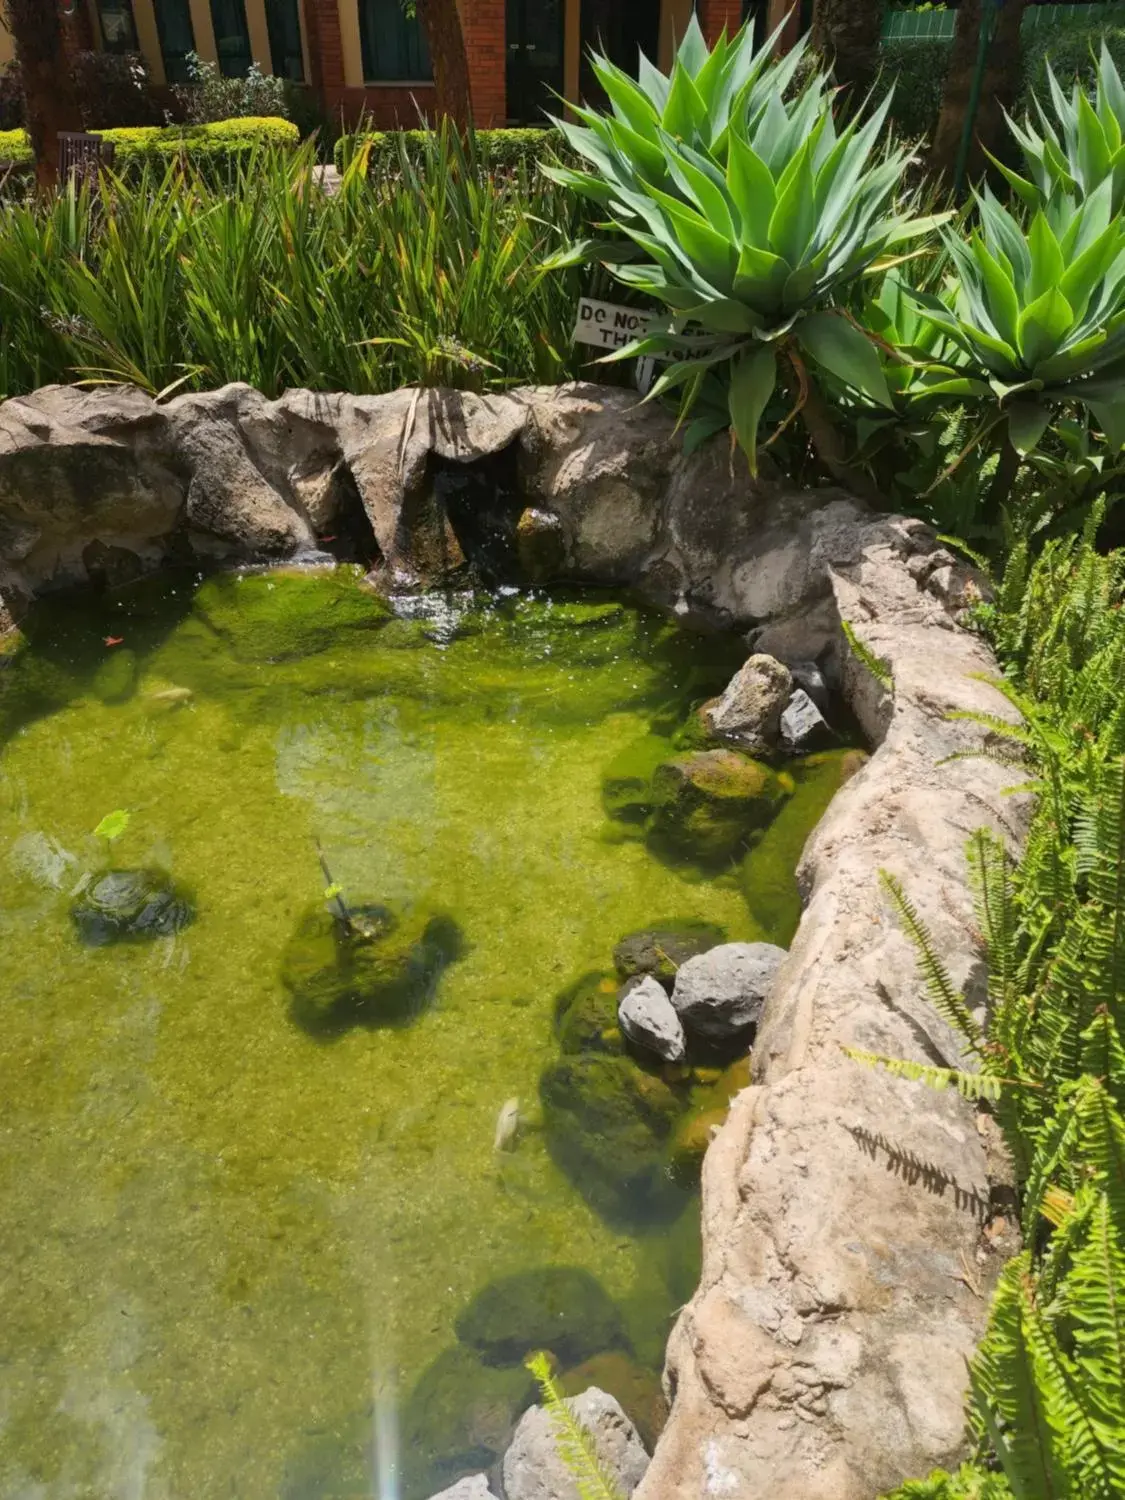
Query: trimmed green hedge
(210, 147)
(503, 150)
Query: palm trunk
(999, 86)
(441, 22)
(50, 98)
(846, 35)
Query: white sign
(609, 325)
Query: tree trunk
(846, 35)
(999, 87)
(50, 98)
(441, 22)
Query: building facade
(369, 56)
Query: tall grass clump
(431, 274)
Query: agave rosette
(1039, 314)
(753, 212)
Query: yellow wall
(674, 17)
(7, 49)
(148, 38)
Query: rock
(126, 905)
(808, 676)
(558, 1308)
(803, 726)
(586, 1015)
(379, 969)
(459, 1418)
(650, 1021)
(689, 1145)
(637, 1388)
(720, 994)
(661, 949)
(540, 544)
(260, 622)
(627, 792)
(473, 1487)
(852, 762)
(749, 711)
(534, 1470)
(607, 1122)
(707, 803)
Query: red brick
(715, 14)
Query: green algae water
(245, 1255)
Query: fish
(507, 1126)
(172, 695)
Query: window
(284, 26)
(394, 45)
(118, 32)
(177, 39)
(232, 37)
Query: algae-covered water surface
(263, 1223)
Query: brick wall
(484, 24)
(715, 14)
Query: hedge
(210, 147)
(505, 150)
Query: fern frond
(878, 666)
(574, 1444)
(947, 1000)
(968, 1085)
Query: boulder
(708, 803)
(650, 1021)
(129, 905)
(808, 675)
(803, 726)
(559, 1308)
(749, 711)
(720, 994)
(661, 949)
(459, 1418)
(607, 1122)
(534, 1468)
(634, 1385)
(540, 544)
(586, 1015)
(472, 1487)
(378, 968)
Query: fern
(878, 666)
(573, 1443)
(968, 1085)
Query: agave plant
(748, 214)
(1071, 154)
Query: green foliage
(210, 95)
(496, 150)
(574, 1444)
(1049, 1379)
(753, 214)
(165, 278)
(214, 148)
(876, 665)
(15, 147)
(113, 825)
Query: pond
(261, 1230)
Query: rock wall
(847, 1215)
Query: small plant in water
(574, 1444)
(113, 825)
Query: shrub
(11, 98)
(497, 150)
(916, 71)
(214, 149)
(211, 97)
(15, 148)
(115, 89)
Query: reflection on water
(240, 1259)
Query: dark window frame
(283, 25)
(124, 7)
(404, 35)
(175, 61)
(235, 62)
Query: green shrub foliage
(496, 150)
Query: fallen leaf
(114, 640)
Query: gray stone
(720, 994)
(473, 1487)
(533, 1469)
(749, 711)
(650, 1020)
(803, 726)
(808, 675)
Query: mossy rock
(116, 678)
(380, 968)
(459, 1419)
(607, 1123)
(130, 906)
(627, 792)
(559, 1308)
(584, 614)
(637, 1388)
(689, 1144)
(661, 949)
(710, 802)
(695, 733)
(279, 615)
(586, 1015)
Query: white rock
(803, 726)
(474, 1487)
(648, 1018)
(721, 993)
(533, 1469)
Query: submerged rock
(472, 1487)
(650, 1021)
(559, 1308)
(708, 803)
(749, 711)
(379, 968)
(127, 905)
(803, 726)
(607, 1122)
(586, 1015)
(535, 1470)
(540, 544)
(279, 616)
(627, 790)
(720, 994)
(460, 1417)
(689, 1144)
(661, 949)
(637, 1388)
